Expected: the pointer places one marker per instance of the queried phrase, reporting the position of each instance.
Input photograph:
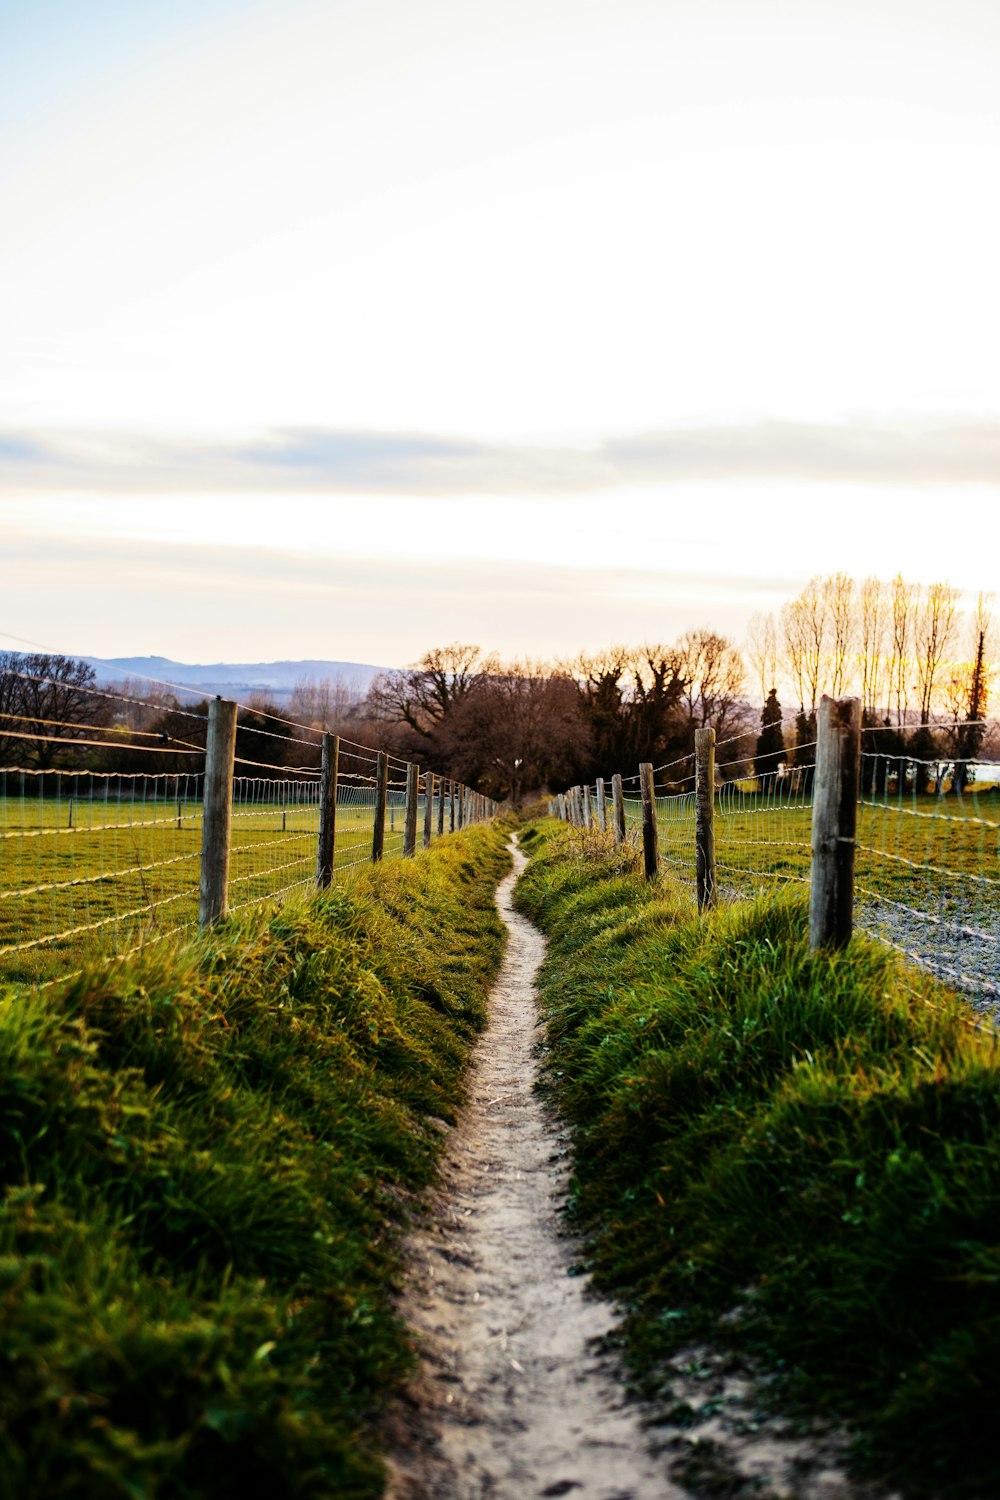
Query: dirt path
(513, 1401)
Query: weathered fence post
(381, 792)
(428, 807)
(834, 822)
(329, 768)
(650, 849)
(704, 816)
(602, 809)
(587, 814)
(618, 808)
(217, 817)
(441, 784)
(410, 819)
(451, 807)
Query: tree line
(924, 675)
(922, 669)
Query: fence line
(926, 859)
(96, 864)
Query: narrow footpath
(514, 1400)
(521, 1404)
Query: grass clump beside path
(206, 1156)
(807, 1146)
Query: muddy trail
(516, 1398)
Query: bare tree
(317, 704)
(934, 626)
(794, 638)
(871, 634)
(423, 695)
(47, 698)
(518, 727)
(903, 603)
(762, 652)
(815, 621)
(714, 677)
(323, 702)
(838, 596)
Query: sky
(345, 329)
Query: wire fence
(96, 864)
(927, 852)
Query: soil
(518, 1395)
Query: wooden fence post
(441, 784)
(217, 818)
(618, 808)
(650, 843)
(381, 792)
(410, 819)
(602, 808)
(330, 764)
(451, 807)
(704, 816)
(587, 812)
(429, 780)
(834, 822)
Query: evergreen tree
(805, 750)
(770, 742)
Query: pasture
(90, 877)
(935, 854)
(794, 1154)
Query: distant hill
(234, 679)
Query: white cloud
(311, 460)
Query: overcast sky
(344, 329)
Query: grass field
(797, 1154)
(936, 855)
(86, 877)
(206, 1157)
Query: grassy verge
(805, 1147)
(206, 1157)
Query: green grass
(206, 1156)
(804, 1146)
(85, 879)
(938, 854)
(757, 833)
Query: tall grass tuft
(796, 1153)
(206, 1155)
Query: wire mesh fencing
(95, 863)
(275, 829)
(926, 873)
